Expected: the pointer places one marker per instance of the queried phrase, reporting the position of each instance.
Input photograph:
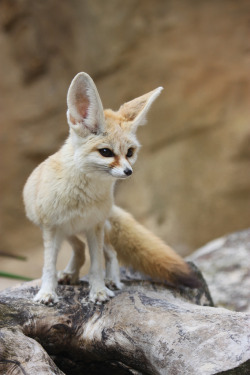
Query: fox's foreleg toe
(46, 297)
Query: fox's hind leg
(70, 275)
(112, 267)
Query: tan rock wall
(192, 180)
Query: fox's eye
(130, 152)
(106, 152)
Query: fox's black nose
(128, 171)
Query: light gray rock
(225, 264)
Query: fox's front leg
(47, 293)
(98, 291)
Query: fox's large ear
(85, 110)
(136, 110)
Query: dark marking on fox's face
(116, 162)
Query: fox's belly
(77, 224)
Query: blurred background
(192, 179)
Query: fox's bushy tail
(136, 246)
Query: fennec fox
(71, 193)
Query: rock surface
(191, 182)
(147, 329)
(225, 264)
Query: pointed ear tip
(81, 77)
(156, 92)
(159, 89)
(81, 74)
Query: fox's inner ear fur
(85, 110)
(136, 110)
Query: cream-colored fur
(72, 191)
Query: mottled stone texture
(192, 181)
(147, 329)
(225, 264)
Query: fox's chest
(83, 209)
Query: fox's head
(104, 141)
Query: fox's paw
(114, 284)
(66, 278)
(47, 298)
(100, 294)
